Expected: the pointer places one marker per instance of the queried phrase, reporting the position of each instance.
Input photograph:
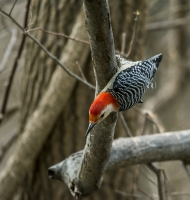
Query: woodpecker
(124, 89)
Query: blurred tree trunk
(67, 135)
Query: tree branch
(130, 151)
(12, 7)
(161, 187)
(137, 13)
(97, 149)
(59, 34)
(124, 124)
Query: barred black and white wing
(131, 82)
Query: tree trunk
(67, 136)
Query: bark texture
(97, 148)
(131, 151)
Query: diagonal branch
(97, 149)
(124, 124)
(137, 13)
(12, 7)
(59, 34)
(161, 186)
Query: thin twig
(158, 172)
(151, 117)
(137, 13)
(123, 43)
(81, 72)
(15, 64)
(9, 49)
(47, 52)
(59, 34)
(154, 119)
(12, 7)
(59, 63)
(125, 126)
(29, 20)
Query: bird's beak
(91, 125)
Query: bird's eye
(102, 115)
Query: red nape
(101, 101)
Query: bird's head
(101, 107)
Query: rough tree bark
(98, 145)
(131, 151)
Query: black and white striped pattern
(131, 83)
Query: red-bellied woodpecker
(124, 89)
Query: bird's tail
(156, 59)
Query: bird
(124, 89)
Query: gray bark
(130, 151)
(97, 148)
